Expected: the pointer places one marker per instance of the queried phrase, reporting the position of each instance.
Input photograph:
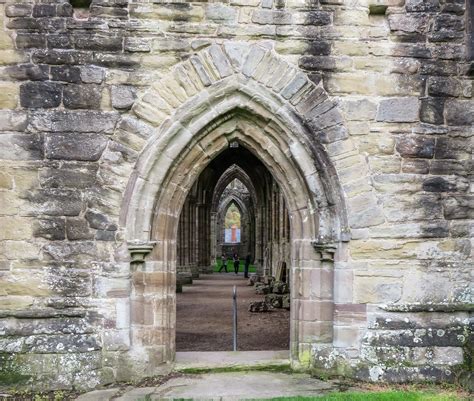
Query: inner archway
(204, 310)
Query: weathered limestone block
(92, 74)
(398, 110)
(53, 202)
(422, 5)
(21, 147)
(72, 175)
(40, 95)
(459, 207)
(15, 228)
(409, 23)
(447, 27)
(51, 228)
(432, 110)
(453, 148)
(18, 10)
(78, 229)
(444, 86)
(123, 96)
(81, 96)
(28, 72)
(459, 112)
(74, 121)
(70, 74)
(220, 13)
(450, 337)
(8, 95)
(175, 12)
(73, 146)
(416, 146)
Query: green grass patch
(283, 368)
(382, 396)
(230, 267)
(369, 396)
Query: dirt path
(204, 317)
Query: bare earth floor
(204, 317)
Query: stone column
(213, 239)
(312, 298)
(150, 327)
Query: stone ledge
(429, 307)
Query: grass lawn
(382, 396)
(230, 266)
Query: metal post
(234, 296)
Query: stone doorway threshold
(230, 359)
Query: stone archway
(245, 244)
(235, 92)
(233, 172)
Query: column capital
(138, 250)
(325, 249)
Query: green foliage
(232, 217)
(230, 266)
(80, 3)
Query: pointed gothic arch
(235, 92)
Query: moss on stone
(285, 368)
(10, 371)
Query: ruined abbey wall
(384, 89)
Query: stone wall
(396, 126)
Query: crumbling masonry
(359, 114)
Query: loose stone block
(398, 110)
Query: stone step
(229, 359)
